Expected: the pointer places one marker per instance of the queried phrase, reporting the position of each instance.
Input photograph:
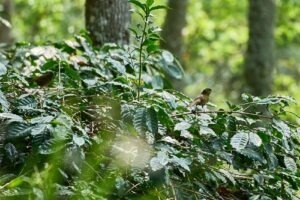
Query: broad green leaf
(182, 126)
(139, 4)
(273, 161)
(282, 127)
(252, 154)
(39, 129)
(11, 116)
(259, 179)
(220, 176)
(228, 175)
(160, 161)
(167, 56)
(149, 2)
(157, 82)
(140, 120)
(255, 139)
(170, 140)
(239, 140)
(3, 102)
(158, 7)
(173, 69)
(11, 152)
(42, 120)
(71, 73)
(17, 129)
(204, 130)
(182, 162)
(169, 98)
(290, 164)
(186, 134)
(3, 69)
(255, 197)
(151, 121)
(117, 65)
(78, 140)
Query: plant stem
(140, 55)
(224, 111)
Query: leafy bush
(81, 123)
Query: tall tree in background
(108, 21)
(259, 60)
(5, 14)
(174, 23)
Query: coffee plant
(78, 122)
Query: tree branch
(226, 112)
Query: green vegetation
(79, 122)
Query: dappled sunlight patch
(131, 152)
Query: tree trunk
(259, 59)
(174, 23)
(5, 31)
(108, 21)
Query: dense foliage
(73, 126)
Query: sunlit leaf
(182, 126)
(239, 140)
(290, 164)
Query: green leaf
(71, 73)
(158, 7)
(117, 65)
(160, 161)
(169, 98)
(167, 56)
(139, 4)
(182, 162)
(78, 140)
(182, 126)
(11, 152)
(228, 175)
(140, 120)
(15, 130)
(3, 69)
(157, 82)
(39, 129)
(282, 127)
(173, 70)
(290, 164)
(3, 102)
(239, 140)
(42, 120)
(204, 130)
(254, 155)
(151, 121)
(11, 117)
(149, 2)
(170, 140)
(255, 139)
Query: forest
(150, 99)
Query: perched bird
(202, 99)
(44, 79)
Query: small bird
(44, 79)
(202, 99)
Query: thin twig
(224, 111)
(134, 186)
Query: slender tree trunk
(5, 31)
(108, 21)
(259, 59)
(174, 23)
